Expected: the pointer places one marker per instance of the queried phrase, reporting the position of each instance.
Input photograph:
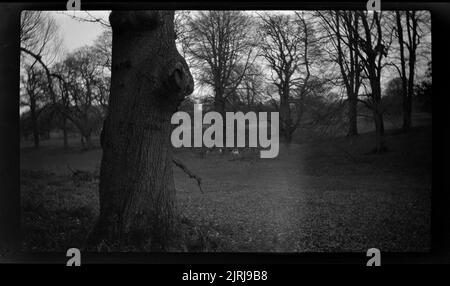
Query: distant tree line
(66, 92)
(317, 69)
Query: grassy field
(326, 195)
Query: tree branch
(188, 172)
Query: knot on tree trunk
(148, 81)
(180, 81)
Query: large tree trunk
(149, 80)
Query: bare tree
(88, 17)
(149, 80)
(373, 41)
(62, 97)
(342, 28)
(39, 36)
(250, 92)
(183, 31)
(409, 32)
(221, 48)
(103, 53)
(286, 46)
(34, 88)
(83, 91)
(40, 45)
(103, 49)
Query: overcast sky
(76, 34)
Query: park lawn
(329, 195)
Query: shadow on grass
(52, 227)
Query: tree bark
(149, 80)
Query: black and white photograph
(231, 131)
